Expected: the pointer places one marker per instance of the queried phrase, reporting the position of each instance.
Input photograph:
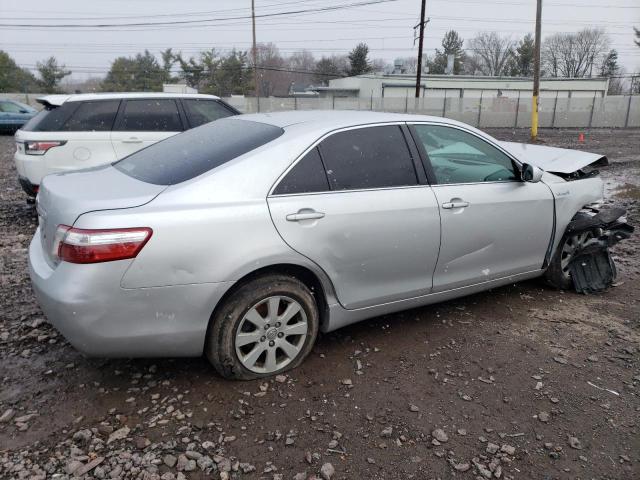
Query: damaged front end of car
(582, 258)
(588, 238)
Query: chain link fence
(614, 111)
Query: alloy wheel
(572, 245)
(271, 334)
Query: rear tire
(266, 327)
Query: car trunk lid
(64, 197)
(552, 159)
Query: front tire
(558, 274)
(266, 327)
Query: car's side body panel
(341, 317)
(378, 245)
(504, 230)
(569, 198)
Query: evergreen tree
(50, 74)
(524, 53)
(359, 61)
(13, 78)
(141, 73)
(451, 45)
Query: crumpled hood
(552, 159)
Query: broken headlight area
(592, 268)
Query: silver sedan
(247, 236)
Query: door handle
(304, 215)
(132, 140)
(458, 204)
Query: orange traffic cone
(581, 137)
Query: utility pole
(536, 72)
(255, 53)
(420, 41)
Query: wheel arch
(322, 291)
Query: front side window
(151, 115)
(371, 157)
(307, 176)
(93, 116)
(201, 111)
(457, 156)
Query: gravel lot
(519, 382)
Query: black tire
(220, 343)
(554, 275)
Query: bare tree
(272, 71)
(302, 65)
(574, 55)
(491, 54)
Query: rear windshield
(189, 154)
(51, 119)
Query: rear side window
(202, 111)
(151, 115)
(372, 157)
(93, 116)
(306, 176)
(196, 151)
(51, 119)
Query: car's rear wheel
(266, 327)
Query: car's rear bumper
(31, 168)
(98, 317)
(28, 187)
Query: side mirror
(531, 173)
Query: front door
(354, 206)
(493, 224)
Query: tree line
(572, 55)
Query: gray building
(460, 86)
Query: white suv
(73, 132)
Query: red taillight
(40, 148)
(78, 245)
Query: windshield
(189, 154)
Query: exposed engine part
(592, 268)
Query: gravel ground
(519, 382)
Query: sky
(386, 27)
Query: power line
(160, 15)
(191, 22)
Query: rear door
(355, 206)
(143, 122)
(493, 224)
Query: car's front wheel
(265, 327)
(558, 273)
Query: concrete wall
(507, 111)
